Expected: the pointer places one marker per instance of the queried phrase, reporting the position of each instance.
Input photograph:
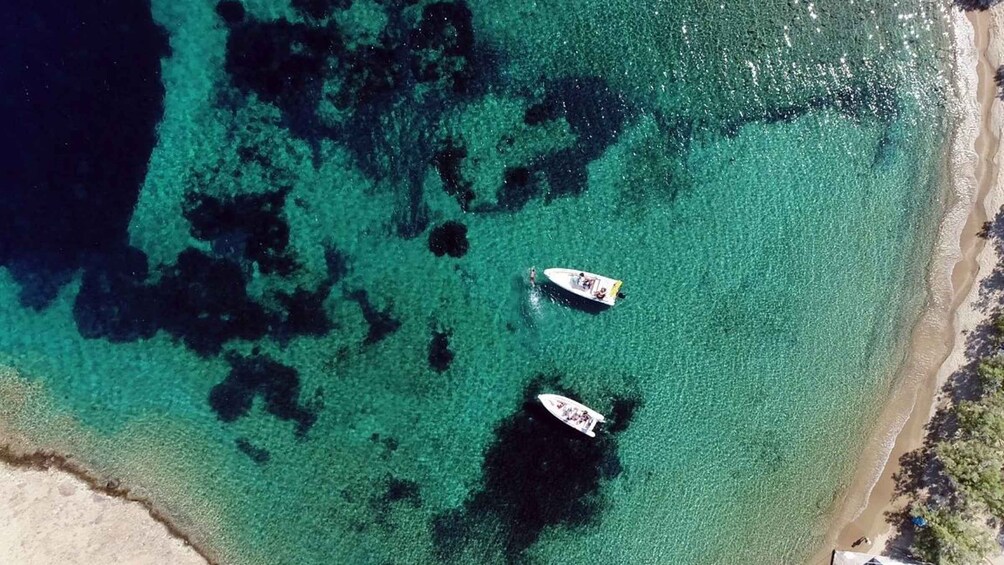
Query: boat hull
(586, 285)
(573, 414)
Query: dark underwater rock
(389, 444)
(443, 45)
(256, 454)
(596, 114)
(622, 413)
(71, 167)
(200, 300)
(247, 226)
(402, 490)
(258, 375)
(566, 172)
(870, 100)
(204, 303)
(450, 239)
(448, 162)
(371, 75)
(541, 113)
(230, 11)
(440, 355)
(114, 302)
(595, 111)
(393, 492)
(368, 92)
(445, 27)
(381, 323)
(281, 62)
(288, 64)
(411, 218)
(39, 277)
(861, 101)
(302, 312)
(336, 262)
(319, 9)
(518, 188)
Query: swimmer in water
(533, 276)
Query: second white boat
(574, 414)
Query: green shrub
(998, 324)
(983, 420)
(952, 538)
(975, 470)
(991, 372)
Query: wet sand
(962, 260)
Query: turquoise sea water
(262, 354)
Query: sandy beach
(956, 306)
(49, 516)
(53, 511)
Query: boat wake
(534, 301)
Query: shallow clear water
(763, 178)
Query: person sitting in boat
(601, 293)
(587, 282)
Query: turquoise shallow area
(763, 178)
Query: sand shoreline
(55, 508)
(84, 521)
(938, 342)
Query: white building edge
(854, 558)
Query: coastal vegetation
(976, 4)
(961, 510)
(952, 536)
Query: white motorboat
(587, 285)
(572, 413)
